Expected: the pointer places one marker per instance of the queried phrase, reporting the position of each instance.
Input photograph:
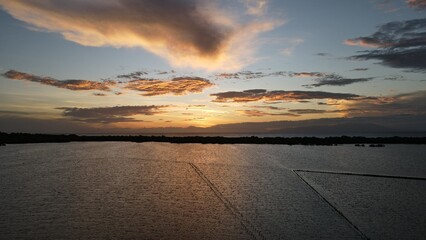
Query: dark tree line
(17, 138)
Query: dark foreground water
(194, 191)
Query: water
(195, 191)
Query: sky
(128, 65)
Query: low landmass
(20, 138)
(395, 125)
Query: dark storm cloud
(399, 44)
(110, 114)
(67, 84)
(176, 86)
(336, 80)
(278, 96)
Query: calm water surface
(195, 191)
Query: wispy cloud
(133, 75)
(360, 69)
(387, 6)
(110, 114)
(278, 96)
(291, 44)
(67, 84)
(176, 86)
(336, 80)
(194, 33)
(399, 44)
(249, 75)
(196, 106)
(307, 111)
(306, 74)
(322, 54)
(269, 107)
(256, 7)
(257, 113)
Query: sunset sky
(79, 66)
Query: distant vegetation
(18, 138)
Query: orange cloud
(363, 42)
(278, 96)
(67, 84)
(176, 86)
(188, 33)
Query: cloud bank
(336, 80)
(75, 85)
(149, 87)
(279, 95)
(413, 103)
(176, 86)
(188, 33)
(400, 44)
(110, 114)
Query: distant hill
(401, 125)
(340, 128)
